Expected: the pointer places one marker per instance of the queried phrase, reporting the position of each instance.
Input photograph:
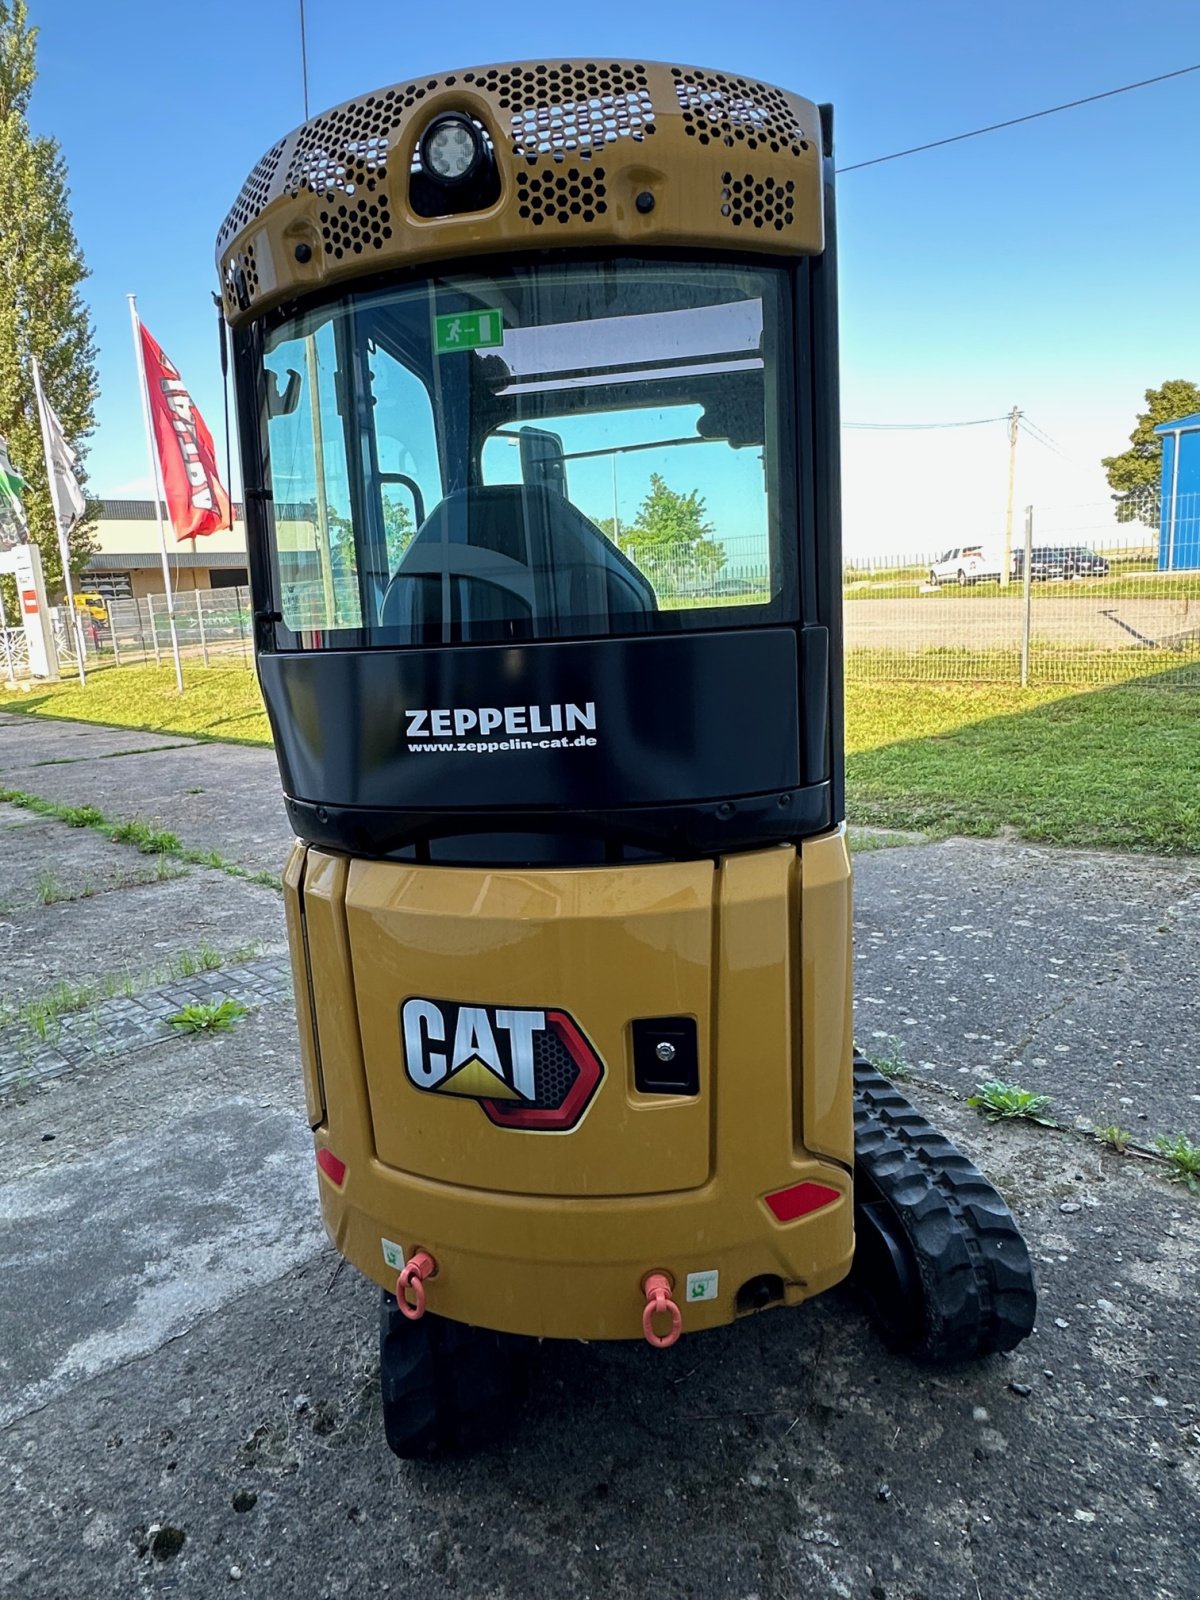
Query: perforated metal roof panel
(730, 162)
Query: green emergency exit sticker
(467, 330)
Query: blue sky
(1047, 266)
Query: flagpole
(153, 454)
(63, 550)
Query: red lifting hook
(657, 1287)
(413, 1277)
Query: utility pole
(1006, 560)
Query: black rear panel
(687, 744)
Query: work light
(451, 148)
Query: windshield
(544, 451)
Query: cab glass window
(537, 452)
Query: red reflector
(788, 1204)
(329, 1164)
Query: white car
(967, 563)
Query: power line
(974, 422)
(1032, 116)
(1042, 437)
(304, 58)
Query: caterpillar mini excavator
(537, 389)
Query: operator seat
(515, 561)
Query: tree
(42, 313)
(1133, 476)
(669, 541)
(397, 531)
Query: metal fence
(14, 653)
(1096, 607)
(213, 627)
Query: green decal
(467, 330)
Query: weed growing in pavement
(140, 835)
(150, 841)
(42, 1014)
(214, 1016)
(1114, 1138)
(81, 816)
(50, 891)
(203, 959)
(112, 755)
(889, 1060)
(1182, 1158)
(999, 1101)
(269, 880)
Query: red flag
(196, 498)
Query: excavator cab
(537, 394)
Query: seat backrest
(512, 560)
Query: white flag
(14, 530)
(68, 498)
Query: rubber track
(446, 1387)
(972, 1263)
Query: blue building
(1179, 533)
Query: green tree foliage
(670, 539)
(397, 529)
(42, 313)
(1133, 476)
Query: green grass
(217, 703)
(150, 841)
(864, 840)
(1051, 666)
(1106, 768)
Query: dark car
(1084, 563)
(1046, 563)
(1060, 561)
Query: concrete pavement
(188, 1381)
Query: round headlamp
(451, 148)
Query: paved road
(928, 621)
(188, 1382)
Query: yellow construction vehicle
(93, 606)
(537, 391)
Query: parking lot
(188, 1377)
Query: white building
(127, 562)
